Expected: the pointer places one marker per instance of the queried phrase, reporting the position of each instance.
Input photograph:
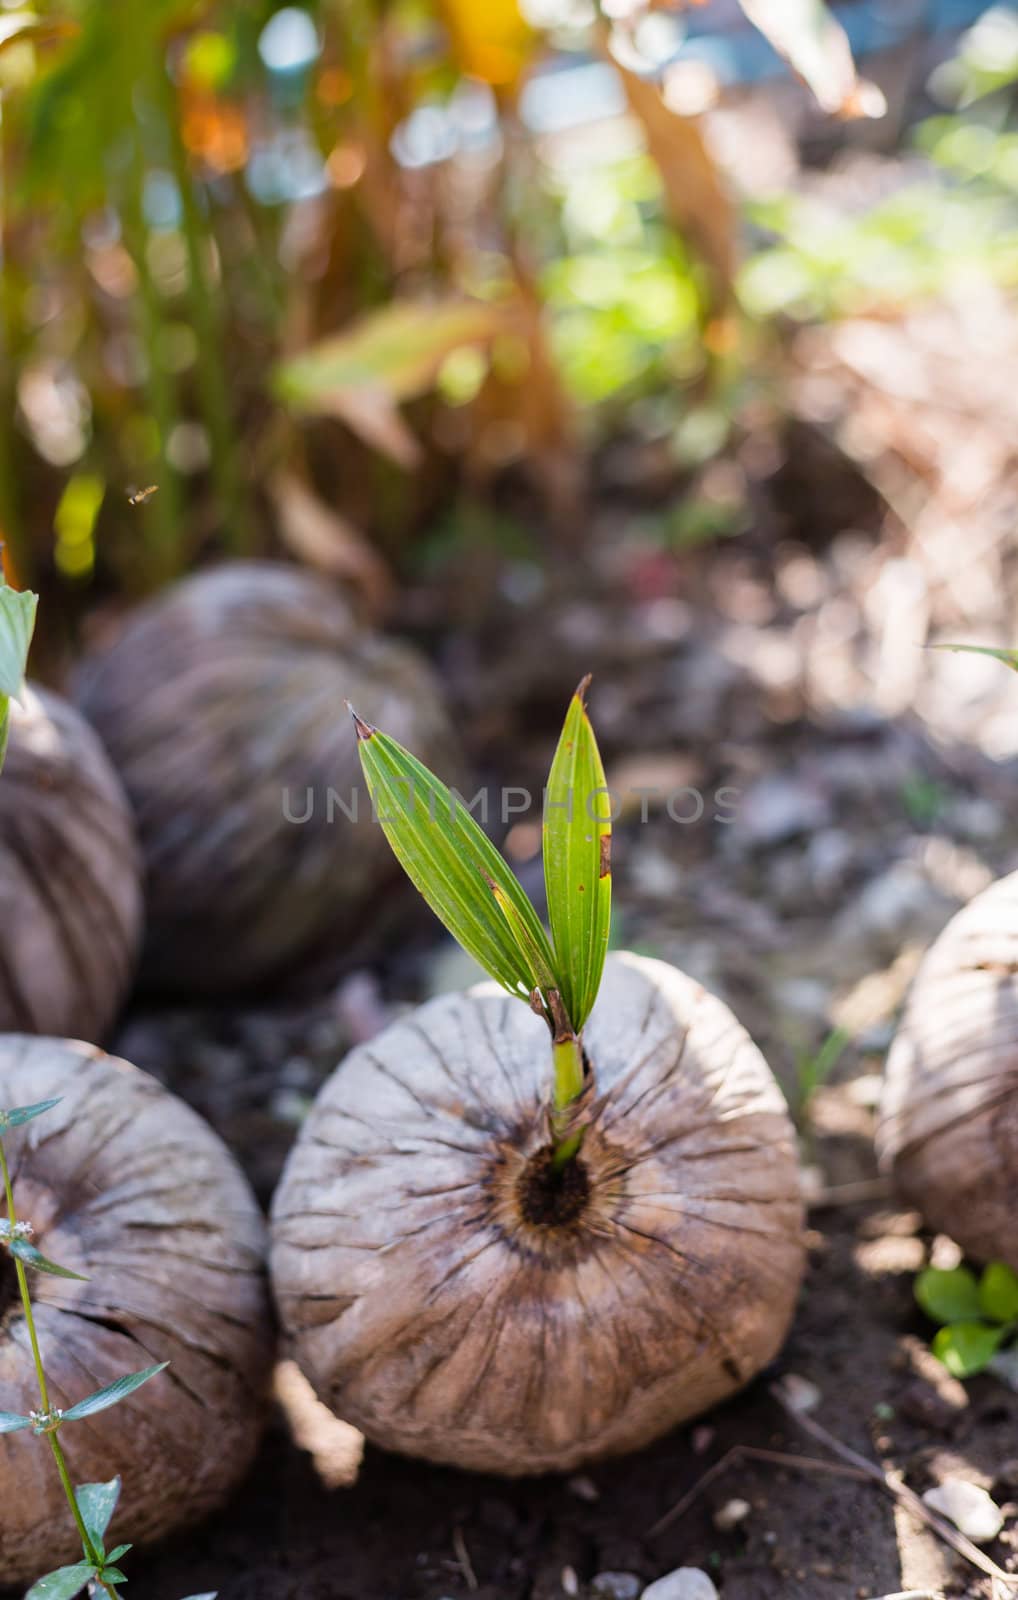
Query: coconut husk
(447, 1296)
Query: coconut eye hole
(551, 1195)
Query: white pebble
(800, 1394)
(968, 1507)
(584, 1488)
(729, 1515)
(685, 1583)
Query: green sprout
(978, 1316)
(474, 893)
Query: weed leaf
(13, 1422)
(34, 1258)
(998, 1293)
(22, 1114)
(949, 1295)
(97, 1503)
(966, 1348)
(112, 1394)
(62, 1584)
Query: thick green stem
(91, 1553)
(567, 1056)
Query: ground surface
(400, 1531)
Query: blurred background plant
(316, 275)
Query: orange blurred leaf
(695, 195)
(362, 374)
(816, 47)
(322, 538)
(492, 41)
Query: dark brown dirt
(396, 1531)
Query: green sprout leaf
(17, 620)
(112, 1394)
(577, 861)
(966, 1348)
(114, 1574)
(97, 1503)
(949, 1296)
(120, 1550)
(32, 1257)
(22, 1114)
(455, 866)
(1009, 657)
(13, 1422)
(63, 1584)
(998, 1293)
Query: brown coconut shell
(446, 1296)
(221, 704)
(70, 876)
(948, 1129)
(125, 1183)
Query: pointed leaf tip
(582, 687)
(364, 729)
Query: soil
(405, 1530)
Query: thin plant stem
(211, 364)
(91, 1553)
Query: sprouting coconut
(126, 1185)
(217, 702)
(512, 1269)
(949, 1115)
(70, 876)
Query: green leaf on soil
(454, 865)
(998, 1292)
(577, 861)
(949, 1295)
(13, 1422)
(965, 1348)
(112, 1394)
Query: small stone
(729, 1515)
(800, 1394)
(702, 1439)
(584, 1488)
(570, 1582)
(685, 1583)
(616, 1586)
(968, 1507)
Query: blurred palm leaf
(816, 47)
(362, 374)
